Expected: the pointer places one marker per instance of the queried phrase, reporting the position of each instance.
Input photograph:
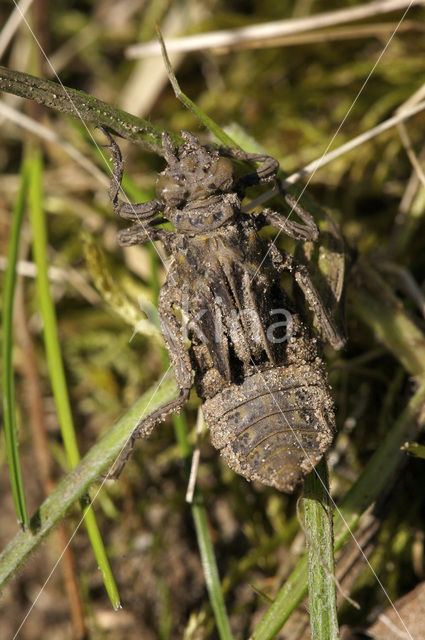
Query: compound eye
(169, 189)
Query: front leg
(180, 361)
(265, 173)
(143, 211)
(285, 262)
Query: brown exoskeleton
(263, 384)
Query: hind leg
(180, 361)
(285, 262)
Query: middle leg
(285, 262)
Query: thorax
(234, 243)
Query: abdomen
(274, 426)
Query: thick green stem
(319, 536)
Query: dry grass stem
(264, 31)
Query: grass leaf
(9, 409)
(319, 536)
(83, 106)
(54, 359)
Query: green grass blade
(83, 106)
(76, 483)
(7, 345)
(206, 548)
(57, 374)
(318, 530)
(54, 358)
(372, 301)
(286, 601)
(189, 104)
(209, 565)
(415, 449)
(180, 432)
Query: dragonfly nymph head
(192, 185)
